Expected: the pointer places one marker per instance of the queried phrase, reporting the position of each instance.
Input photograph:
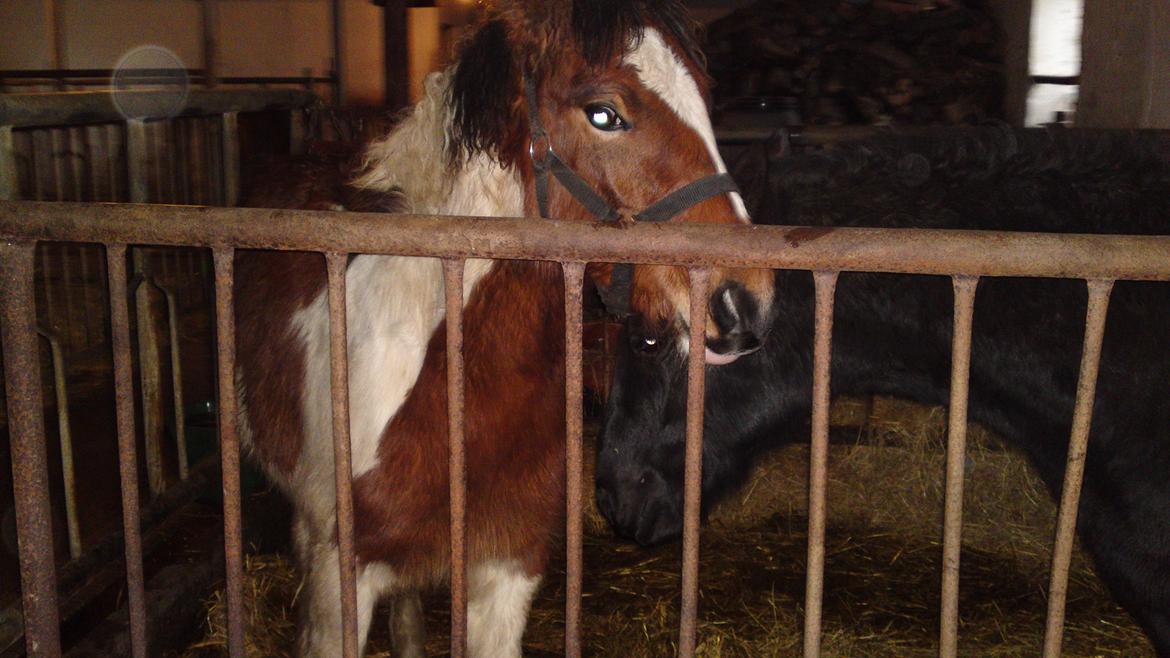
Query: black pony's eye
(647, 344)
(604, 117)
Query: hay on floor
(883, 554)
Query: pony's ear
(484, 93)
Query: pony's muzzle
(738, 321)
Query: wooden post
(397, 54)
(338, 49)
(8, 179)
(1126, 61)
(210, 43)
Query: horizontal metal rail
(910, 251)
(78, 107)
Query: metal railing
(85, 146)
(963, 255)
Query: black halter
(545, 161)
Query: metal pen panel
(1066, 523)
(229, 447)
(453, 284)
(127, 446)
(693, 465)
(30, 470)
(826, 287)
(342, 460)
(964, 288)
(574, 274)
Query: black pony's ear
(484, 88)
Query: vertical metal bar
(1066, 523)
(343, 469)
(177, 382)
(229, 447)
(137, 161)
(453, 283)
(65, 439)
(231, 159)
(826, 287)
(30, 470)
(9, 189)
(127, 450)
(956, 456)
(693, 468)
(574, 274)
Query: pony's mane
(473, 112)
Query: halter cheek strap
(545, 161)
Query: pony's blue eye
(604, 117)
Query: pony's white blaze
(660, 69)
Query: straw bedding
(883, 551)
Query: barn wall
(256, 37)
(26, 37)
(1125, 82)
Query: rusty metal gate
(962, 255)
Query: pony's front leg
(499, 594)
(321, 631)
(407, 626)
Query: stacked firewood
(837, 62)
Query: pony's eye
(604, 117)
(648, 344)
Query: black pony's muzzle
(641, 509)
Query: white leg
(498, 596)
(320, 631)
(407, 627)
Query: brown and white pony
(621, 95)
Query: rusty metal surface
(956, 455)
(574, 278)
(693, 465)
(826, 287)
(30, 470)
(914, 251)
(58, 109)
(342, 461)
(127, 446)
(453, 285)
(1066, 521)
(229, 447)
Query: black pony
(892, 336)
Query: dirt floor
(882, 564)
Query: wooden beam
(397, 54)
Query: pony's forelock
(527, 37)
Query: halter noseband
(545, 161)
